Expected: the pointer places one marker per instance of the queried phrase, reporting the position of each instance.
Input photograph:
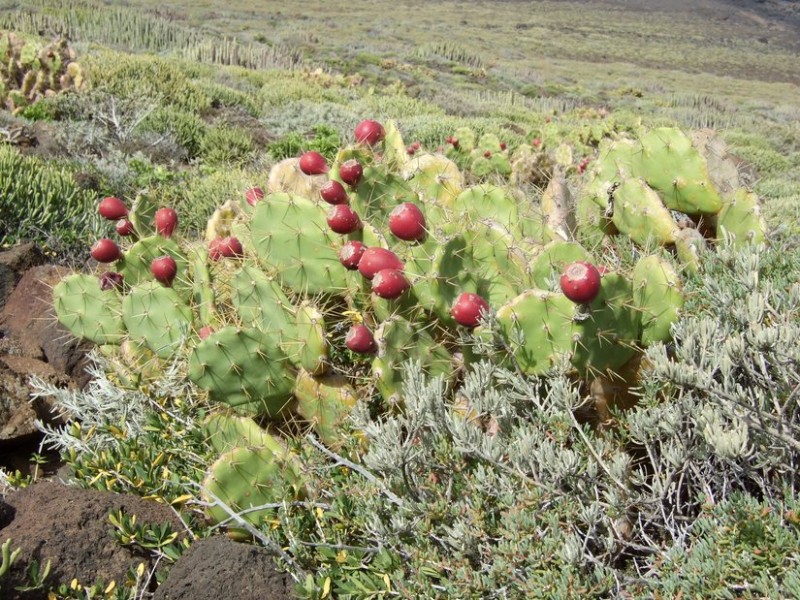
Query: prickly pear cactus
(652, 187)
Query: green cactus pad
(609, 329)
(202, 290)
(549, 263)
(546, 321)
(435, 178)
(226, 432)
(142, 215)
(395, 156)
(135, 265)
(741, 219)
(672, 166)
(398, 342)
(245, 369)
(157, 317)
(378, 193)
(325, 402)
(658, 294)
(291, 238)
(87, 311)
(640, 214)
(246, 477)
(260, 301)
(309, 348)
(455, 270)
(689, 246)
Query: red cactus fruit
(166, 220)
(313, 163)
(231, 247)
(205, 331)
(164, 269)
(124, 227)
(468, 308)
(253, 195)
(343, 219)
(487, 154)
(111, 281)
(351, 253)
(214, 252)
(369, 132)
(390, 283)
(376, 259)
(580, 282)
(360, 339)
(537, 142)
(112, 208)
(351, 172)
(407, 222)
(333, 192)
(503, 145)
(105, 251)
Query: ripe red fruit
(333, 192)
(166, 220)
(112, 208)
(487, 154)
(214, 252)
(376, 259)
(467, 309)
(360, 339)
(343, 219)
(105, 251)
(369, 132)
(205, 331)
(164, 269)
(351, 172)
(410, 150)
(537, 142)
(253, 195)
(389, 283)
(580, 282)
(407, 222)
(351, 253)
(313, 163)
(231, 247)
(124, 227)
(503, 146)
(111, 281)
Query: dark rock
(30, 327)
(218, 567)
(13, 264)
(69, 527)
(6, 513)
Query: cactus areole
(580, 282)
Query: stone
(13, 264)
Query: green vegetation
(642, 443)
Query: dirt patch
(218, 567)
(70, 528)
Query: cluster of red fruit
(164, 268)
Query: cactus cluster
(31, 70)
(287, 310)
(670, 189)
